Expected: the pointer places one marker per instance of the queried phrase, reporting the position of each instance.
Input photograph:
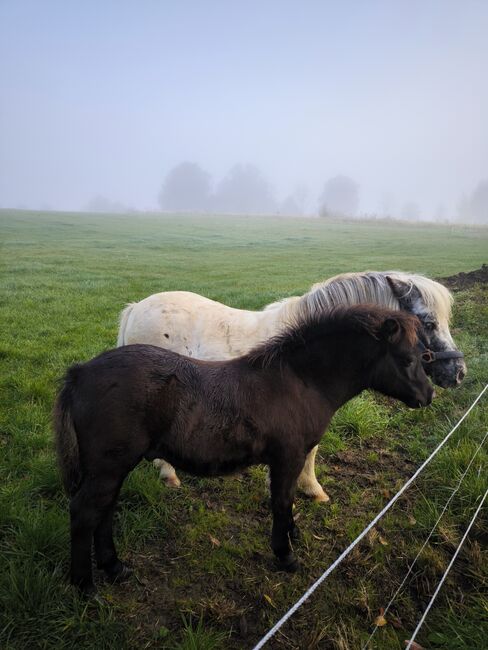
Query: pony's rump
(123, 321)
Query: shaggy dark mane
(359, 318)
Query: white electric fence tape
(434, 595)
(361, 536)
(410, 569)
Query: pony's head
(364, 346)
(398, 370)
(428, 300)
(431, 303)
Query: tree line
(188, 187)
(245, 190)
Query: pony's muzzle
(449, 373)
(425, 398)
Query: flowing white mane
(369, 286)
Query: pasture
(205, 576)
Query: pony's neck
(336, 367)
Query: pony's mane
(356, 319)
(366, 287)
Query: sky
(106, 97)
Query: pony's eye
(429, 326)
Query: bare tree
(185, 188)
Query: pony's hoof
(323, 497)
(172, 481)
(87, 591)
(118, 573)
(289, 563)
(315, 492)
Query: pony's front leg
(307, 481)
(283, 485)
(167, 472)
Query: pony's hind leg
(307, 481)
(105, 551)
(167, 472)
(84, 517)
(88, 508)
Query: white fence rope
(410, 568)
(434, 595)
(361, 536)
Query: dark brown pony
(208, 418)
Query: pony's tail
(65, 434)
(124, 317)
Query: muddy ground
(466, 280)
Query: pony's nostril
(460, 376)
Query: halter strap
(429, 356)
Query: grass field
(205, 577)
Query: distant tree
(339, 197)
(301, 196)
(410, 211)
(290, 206)
(100, 203)
(295, 204)
(244, 190)
(387, 205)
(185, 188)
(474, 208)
(440, 213)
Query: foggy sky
(104, 98)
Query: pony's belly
(207, 466)
(208, 455)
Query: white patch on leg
(167, 473)
(307, 482)
(314, 491)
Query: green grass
(204, 573)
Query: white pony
(198, 327)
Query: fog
(275, 107)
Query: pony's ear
(406, 293)
(389, 330)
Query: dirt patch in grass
(353, 464)
(227, 577)
(462, 280)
